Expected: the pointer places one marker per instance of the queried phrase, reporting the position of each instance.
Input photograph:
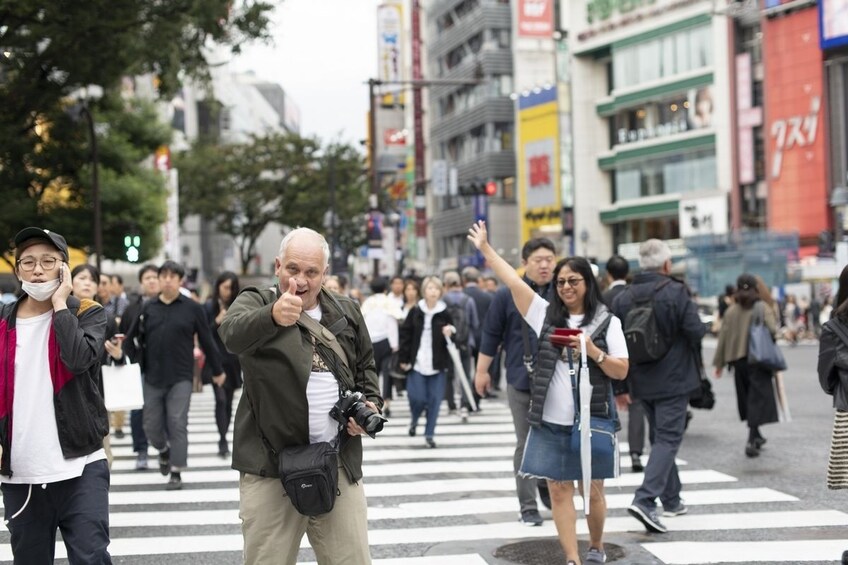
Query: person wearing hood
(53, 466)
(423, 351)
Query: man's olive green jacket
(276, 362)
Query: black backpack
(645, 342)
(459, 319)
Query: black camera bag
(310, 476)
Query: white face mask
(40, 291)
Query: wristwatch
(601, 358)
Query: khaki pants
(273, 529)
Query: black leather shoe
(412, 430)
(751, 449)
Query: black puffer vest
(546, 362)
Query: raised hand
(287, 308)
(478, 235)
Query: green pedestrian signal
(132, 245)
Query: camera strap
(324, 335)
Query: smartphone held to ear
(561, 336)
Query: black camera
(352, 405)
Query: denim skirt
(552, 453)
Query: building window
(663, 57)
(670, 116)
(666, 175)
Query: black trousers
(754, 394)
(224, 396)
(78, 507)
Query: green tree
(284, 178)
(242, 188)
(50, 49)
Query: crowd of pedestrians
(298, 348)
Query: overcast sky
(324, 51)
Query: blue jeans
(425, 391)
(78, 507)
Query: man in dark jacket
(505, 327)
(664, 385)
(291, 382)
(52, 417)
(617, 271)
(163, 340)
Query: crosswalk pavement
(451, 505)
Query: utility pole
(372, 136)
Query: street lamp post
(82, 108)
(95, 188)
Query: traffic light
(477, 187)
(132, 246)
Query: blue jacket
(677, 315)
(503, 327)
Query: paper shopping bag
(122, 387)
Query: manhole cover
(548, 552)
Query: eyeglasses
(28, 264)
(572, 282)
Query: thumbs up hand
(287, 308)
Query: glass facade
(663, 57)
(674, 114)
(666, 175)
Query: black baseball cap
(47, 236)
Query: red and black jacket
(75, 350)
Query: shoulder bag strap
(323, 335)
(528, 352)
(838, 329)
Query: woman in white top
(550, 452)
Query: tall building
(653, 150)
(471, 126)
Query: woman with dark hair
(225, 291)
(552, 452)
(85, 280)
(833, 377)
(754, 385)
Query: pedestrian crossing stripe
(483, 446)
(794, 551)
(412, 510)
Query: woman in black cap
(754, 384)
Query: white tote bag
(122, 387)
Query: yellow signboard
(539, 199)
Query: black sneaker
(531, 518)
(223, 448)
(165, 462)
(751, 449)
(175, 482)
(648, 518)
(636, 463)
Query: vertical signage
(535, 18)
(749, 117)
(539, 197)
(390, 51)
(795, 149)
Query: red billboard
(794, 129)
(536, 18)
